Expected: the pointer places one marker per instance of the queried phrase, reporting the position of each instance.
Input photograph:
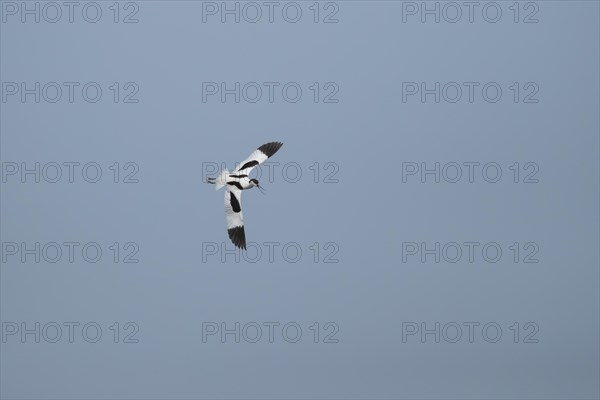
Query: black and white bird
(237, 181)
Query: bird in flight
(235, 182)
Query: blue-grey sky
(365, 223)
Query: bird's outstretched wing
(258, 156)
(235, 219)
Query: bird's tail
(220, 180)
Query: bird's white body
(237, 181)
(227, 177)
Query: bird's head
(254, 182)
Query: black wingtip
(237, 236)
(270, 148)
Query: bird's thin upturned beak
(261, 189)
